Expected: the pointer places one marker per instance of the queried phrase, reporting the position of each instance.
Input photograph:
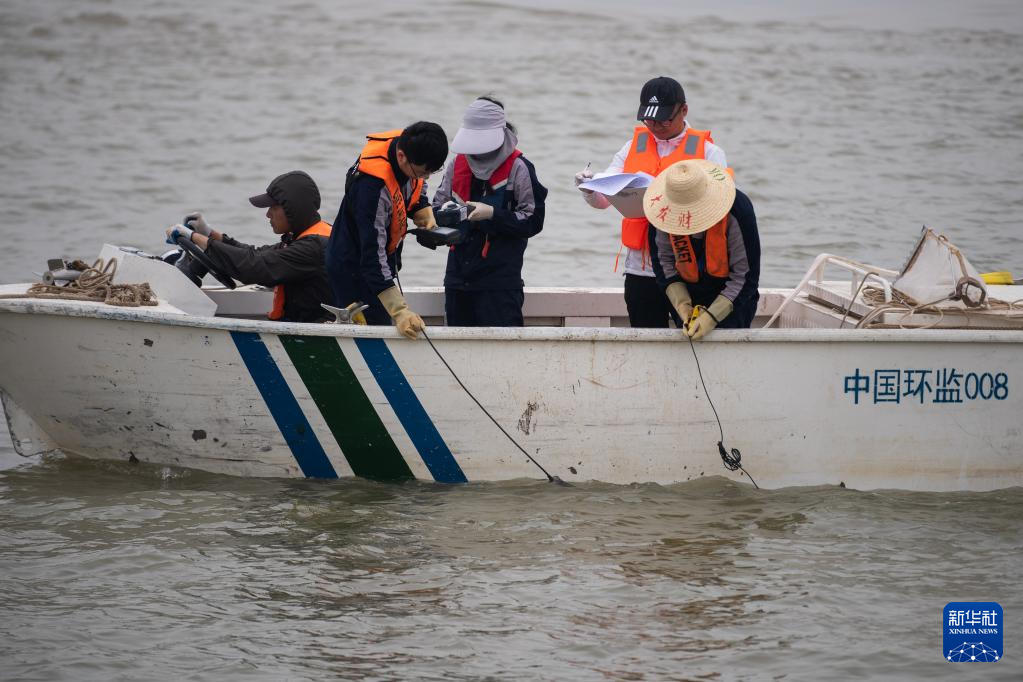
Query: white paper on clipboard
(624, 190)
(629, 202)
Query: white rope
(900, 304)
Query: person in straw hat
(483, 283)
(704, 245)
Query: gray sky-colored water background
(850, 125)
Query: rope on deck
(874, 296)
(95, 284)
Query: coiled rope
(95, 284)
(874, 297)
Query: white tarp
(938, 273)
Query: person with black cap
(483, 284)
(663, 139)
(294, 266)
(385, 186)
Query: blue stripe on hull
(410, 411)
(283, 406)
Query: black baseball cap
(297, 194)
(658, 99)
(279, 188)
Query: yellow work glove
(680, 300)
(709, 318)
(407, 322)
(424, 218)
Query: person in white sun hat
(662, 138)
(704, 245)
(483, 283)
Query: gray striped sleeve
(522, 187)
(738, 263)
(382, 224)
(666, 255)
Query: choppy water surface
(120, 572)
(849, 125)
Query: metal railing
(860, 273)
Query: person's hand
(198, 224)
(407, 322)
(179, 230)
(703, 324)
(678, 295)
(479, 211)
(424, 218)
(584, 176)
(709, 318)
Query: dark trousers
(647, 304)
(498, 308)
(376, 313)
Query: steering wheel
(193, 250)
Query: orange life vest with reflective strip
(643, 157)
(715, 252)
(320, 229)
(373, 161)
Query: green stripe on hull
(349, 414)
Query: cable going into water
(731, 459)
(552, 479)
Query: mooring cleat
(350, 314)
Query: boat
(837, 383)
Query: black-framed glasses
(420, 175)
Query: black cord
(732, 460)
(552, 479)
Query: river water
(849, 124)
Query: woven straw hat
(689, 197)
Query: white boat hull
(909, 409)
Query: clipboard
(624, 190)
(629, 202)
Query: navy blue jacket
(358, 266)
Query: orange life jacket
(715, 252)
(373, 161)
(643, 157)
(320, 229)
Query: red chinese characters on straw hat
(689, 197)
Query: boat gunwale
(86, 309)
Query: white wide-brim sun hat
(482, 129)
(689, 197)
